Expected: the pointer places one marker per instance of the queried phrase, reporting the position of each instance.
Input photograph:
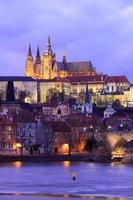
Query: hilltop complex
(44, 75)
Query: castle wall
(23, 89)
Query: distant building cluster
(45, 76)
(65, 107)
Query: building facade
(47, 67)
(44, 76)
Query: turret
(64, 56)
(37, 68)
(38, 58)
(48, 69)
(48, 47)
(64, 61)
(87, 106)
(29, 52)
(29, 63)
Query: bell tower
(48, 69)
(29, 63)
(37, 66)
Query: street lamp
(18, 145)
(121, 125)
(84, 129)
(91, 127)
(109, 128)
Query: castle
(47, 67)
(45, 75)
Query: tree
(80, 97)
(45, 135)
(10, 95)
(55, 96)
(22, 95)
(1, 95)
(26, 134)
(117, 104)
(90, 144)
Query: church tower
(29, 63)
(48, 67)
(37, 66)
(64, 60)
(87, 107)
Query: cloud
(100, 31)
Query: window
(112, 88)
(9, 128)
(75, 91)
(57, 85)
(82, 91)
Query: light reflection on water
(66, 163)
(18, 179)
(17, 164)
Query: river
(53, 180)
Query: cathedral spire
(48, 49)
(64, 57)
(38, 58)
(49, 42)
(29, 51)
(29, 63)
(38, 52)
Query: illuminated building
(7, 135)
(46, 67)
(45, 74)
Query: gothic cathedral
(46, 67)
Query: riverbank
(51, 158)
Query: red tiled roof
(57, 126)
(84, 79)
(60, 127)
(5, 120)
(88, 79)
(117, 79)
(59, 79)
(82, 66)
(25, 117)
(80, 120)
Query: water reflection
(66, 163)
(55, 179)
(17, 164)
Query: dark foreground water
(30, 181)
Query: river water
(51, 181)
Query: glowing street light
(121, 125)
(18, 145)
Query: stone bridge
(115, 137)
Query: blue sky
(96, 30)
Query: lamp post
(109, 128)
(92, 136)
(17, 146)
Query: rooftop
(83, 66)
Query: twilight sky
(96, 30)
